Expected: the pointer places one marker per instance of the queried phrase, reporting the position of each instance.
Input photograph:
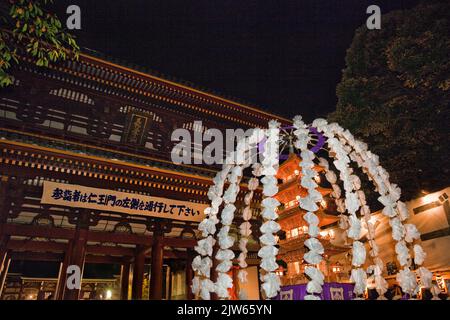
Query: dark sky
(284, 56)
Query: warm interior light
(373, 220)
(429, 198)
(108, 294)
(331, 233)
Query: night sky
(282, 56)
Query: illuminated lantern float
(343, 154)
(295, 227)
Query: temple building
(87, 179)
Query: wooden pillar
(62, 276)
(77, 258)
(4, 260)
(3, 251)
(189, 274)
(138, 273)
(93, 294)
(3, 217)
(259, 283)
(124, 280)
(169, 281)
(41, 293)
(20, 290)
(4, 273)
(156, 276)
(235, 289)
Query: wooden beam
(105, 259)
(180, 243)
(94, 236)
(36, 231)
(106, 250)
(61, 233)
(58, 257)
(36, 256)
(36, 246)
(51, 251)
(97, 236)
(40, 246)
(169, 254)
(46, 246)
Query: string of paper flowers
(245, 229)
(268, 252)
(336, 194)
(202, 285)
(309, 203)
(225, 255)
(394, 209)
(375, 271)
(352, 204)
(344, 148)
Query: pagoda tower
(291, 220)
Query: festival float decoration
(343, 150)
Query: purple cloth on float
(331, 291)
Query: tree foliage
(29, 25)
(395, 94)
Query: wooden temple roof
(202, 95)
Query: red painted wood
(138, 272)
(124, 281)
(156, 276)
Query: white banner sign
(77, 196)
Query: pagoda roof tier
(290, 190)
(293, 218)
(289, 166)
(293, 249)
